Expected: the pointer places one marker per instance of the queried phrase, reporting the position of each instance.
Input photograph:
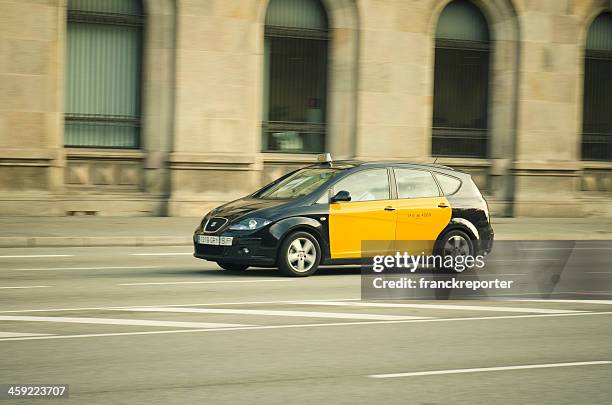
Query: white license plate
(215, 240)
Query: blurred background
(169, 107)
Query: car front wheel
(300, 255)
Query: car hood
(239, 208)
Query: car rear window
(449, 184)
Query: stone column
(31, 60)
(342, 89)
(216, 129)
(395, 77)
(548, 138)
(158, 100)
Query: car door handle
(389, 208)
(443, 205)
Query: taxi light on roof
(324, 157)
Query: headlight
(249, 224)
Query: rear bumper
(485, 244)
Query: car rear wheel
(300, 255)
(455, 244)
(232, 266)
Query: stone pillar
(31, 60)
(216, 129)
(395, 81)
(547, 151)
(342, 89)
(503, 92)
(158, 100)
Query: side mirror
(340, 196)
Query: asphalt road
(154, 325)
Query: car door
(369, 216)
(422, 211)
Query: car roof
(350, 164)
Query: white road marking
(174, 305)
(18, 334)
(162, 254)
(27, 256)
(486, 369)
(254, 302)
(26, 286)
(443, 306)
(534, 259)
(210, 282)
(514, 296)
(567, 248)
(494, 275)
(311, 325)
(86, 268)
(585, 301)
(109, 321)
(265, 312)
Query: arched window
(103, 73)
(295, 76)
(597, 113)
(461, 82)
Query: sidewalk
(96, 231)
(156, 231)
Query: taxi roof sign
(324, 158)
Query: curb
(92, 241)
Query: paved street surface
(154, 325)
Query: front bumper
(249, 250)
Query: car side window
(415, 184)
(366, 185)
(449, 184)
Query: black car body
(335, 213)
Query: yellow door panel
(421, 220)
(350, 223)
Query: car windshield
(299, 184)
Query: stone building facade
(206, 91)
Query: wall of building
(202, 106)
(30, 104)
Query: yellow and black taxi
(322, 214)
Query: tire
(299, 255)
(232, 266)
(454, 243)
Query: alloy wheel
(301, 255)
(456, 246)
